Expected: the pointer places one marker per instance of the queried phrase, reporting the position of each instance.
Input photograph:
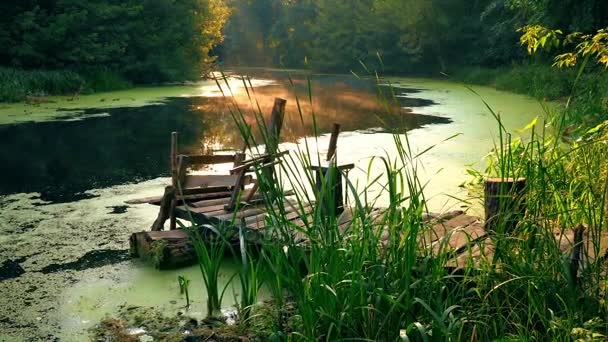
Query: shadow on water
(61, 160)
(92, 259)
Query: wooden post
(333, 142)
(239, 158)
(174, 180)
(333, 197)
(276, 123)
(273, 137)
(575, 257)
(165, 206)
(274, 133)
(503, 203)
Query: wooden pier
(233, 202)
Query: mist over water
(62, 159)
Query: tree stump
(504, 203)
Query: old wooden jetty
(234, 201)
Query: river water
(67, 167)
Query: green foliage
(209, 245)
(571, 15)
(146, 41)
(250, 280)
(17, 84)
(335, 35)
(157, 252)
(578, 46)
(412, 36)
(103, 79)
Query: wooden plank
(214, 210)
(256, 222)
(292, 212)
(439, 230)
(194, 159)
(459, 238)
(209, 202)
(211, 181)
(224, 200)
(240, 214)
(219, 208)
(146, 200)
(483, 249)
(257, 160)
(205, 195)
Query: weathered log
(504, 203)
(170, 249)
(164, 249)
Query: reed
(184, 284)
(210, 245)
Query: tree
(145, 40)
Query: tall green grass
(16, 84)
(209, 245)
(382, 278)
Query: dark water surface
(62, 159)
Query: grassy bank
(17, 85)
(589, 104)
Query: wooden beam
(212, 181)
(165, 207)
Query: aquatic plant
(209, 245)
(184, 283)
(157, 252)
(250, 281)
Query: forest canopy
(146, 41)
(153, 41)
(410, 35)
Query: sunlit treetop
(582, 46)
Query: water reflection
(63, 159)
